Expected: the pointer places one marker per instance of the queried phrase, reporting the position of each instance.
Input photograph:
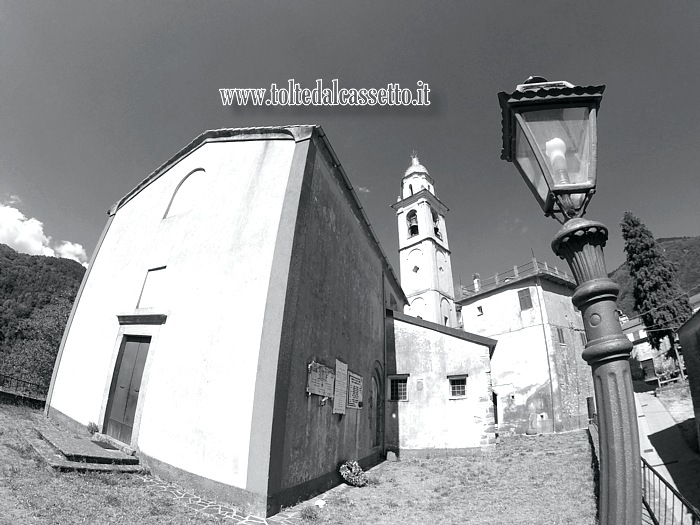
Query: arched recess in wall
(412, 223)
(376, 405)
(436, 223)
(186, 193)
(445, 312)
(418, 308)
(443, 269)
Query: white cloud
(27, 235)
(71, 250)
(12, 199)
(362, 189)
(23, 234)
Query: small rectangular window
(398, 389)
(154, 289)
(525, 299)
(480, 310)
(560, 336)
(583, 338)
(458, 386)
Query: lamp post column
(580, 242)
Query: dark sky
(95, 95)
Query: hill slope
(36, 296)
(684, 251)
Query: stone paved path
(229, 513)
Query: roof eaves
(513, 281)
(297, 133)
(424, 193)
(455, 332)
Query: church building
(241, 329)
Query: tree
(657, 295)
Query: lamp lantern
(549, 133)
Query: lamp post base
(580, 242)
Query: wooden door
(126, 383)
(376, 412)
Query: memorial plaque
(341, 387)
(354, 390)
(320, 380)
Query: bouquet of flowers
(353, 474)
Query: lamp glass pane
(563, 137)
(525, 157)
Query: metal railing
(533, 267)
(663, 502)
(21, 387)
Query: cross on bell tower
(424, 254)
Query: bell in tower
(412, 218)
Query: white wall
(196, 399)
(430, 418)
(527, 357)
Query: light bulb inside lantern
(556, 152)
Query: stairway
(65, 451)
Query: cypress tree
(657, 295)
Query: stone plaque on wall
(341, 387)
(354, 390)
(320, 380)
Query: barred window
(560, 336)
(398, 389)
(583, 338)
(458, 386)
(525, 299)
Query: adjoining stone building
(439, 388)
(540, 381)
(236, 326)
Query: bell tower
(424, 254)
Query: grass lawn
(524, 480)
(32, 493)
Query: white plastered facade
(196, 399)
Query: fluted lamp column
(549, 133)
(580, 242)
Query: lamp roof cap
(535, 83)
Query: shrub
(92, 427)
(353, 474)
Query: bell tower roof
(415, 167)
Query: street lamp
(549, 133)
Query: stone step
(81, 449)
(59, 462)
